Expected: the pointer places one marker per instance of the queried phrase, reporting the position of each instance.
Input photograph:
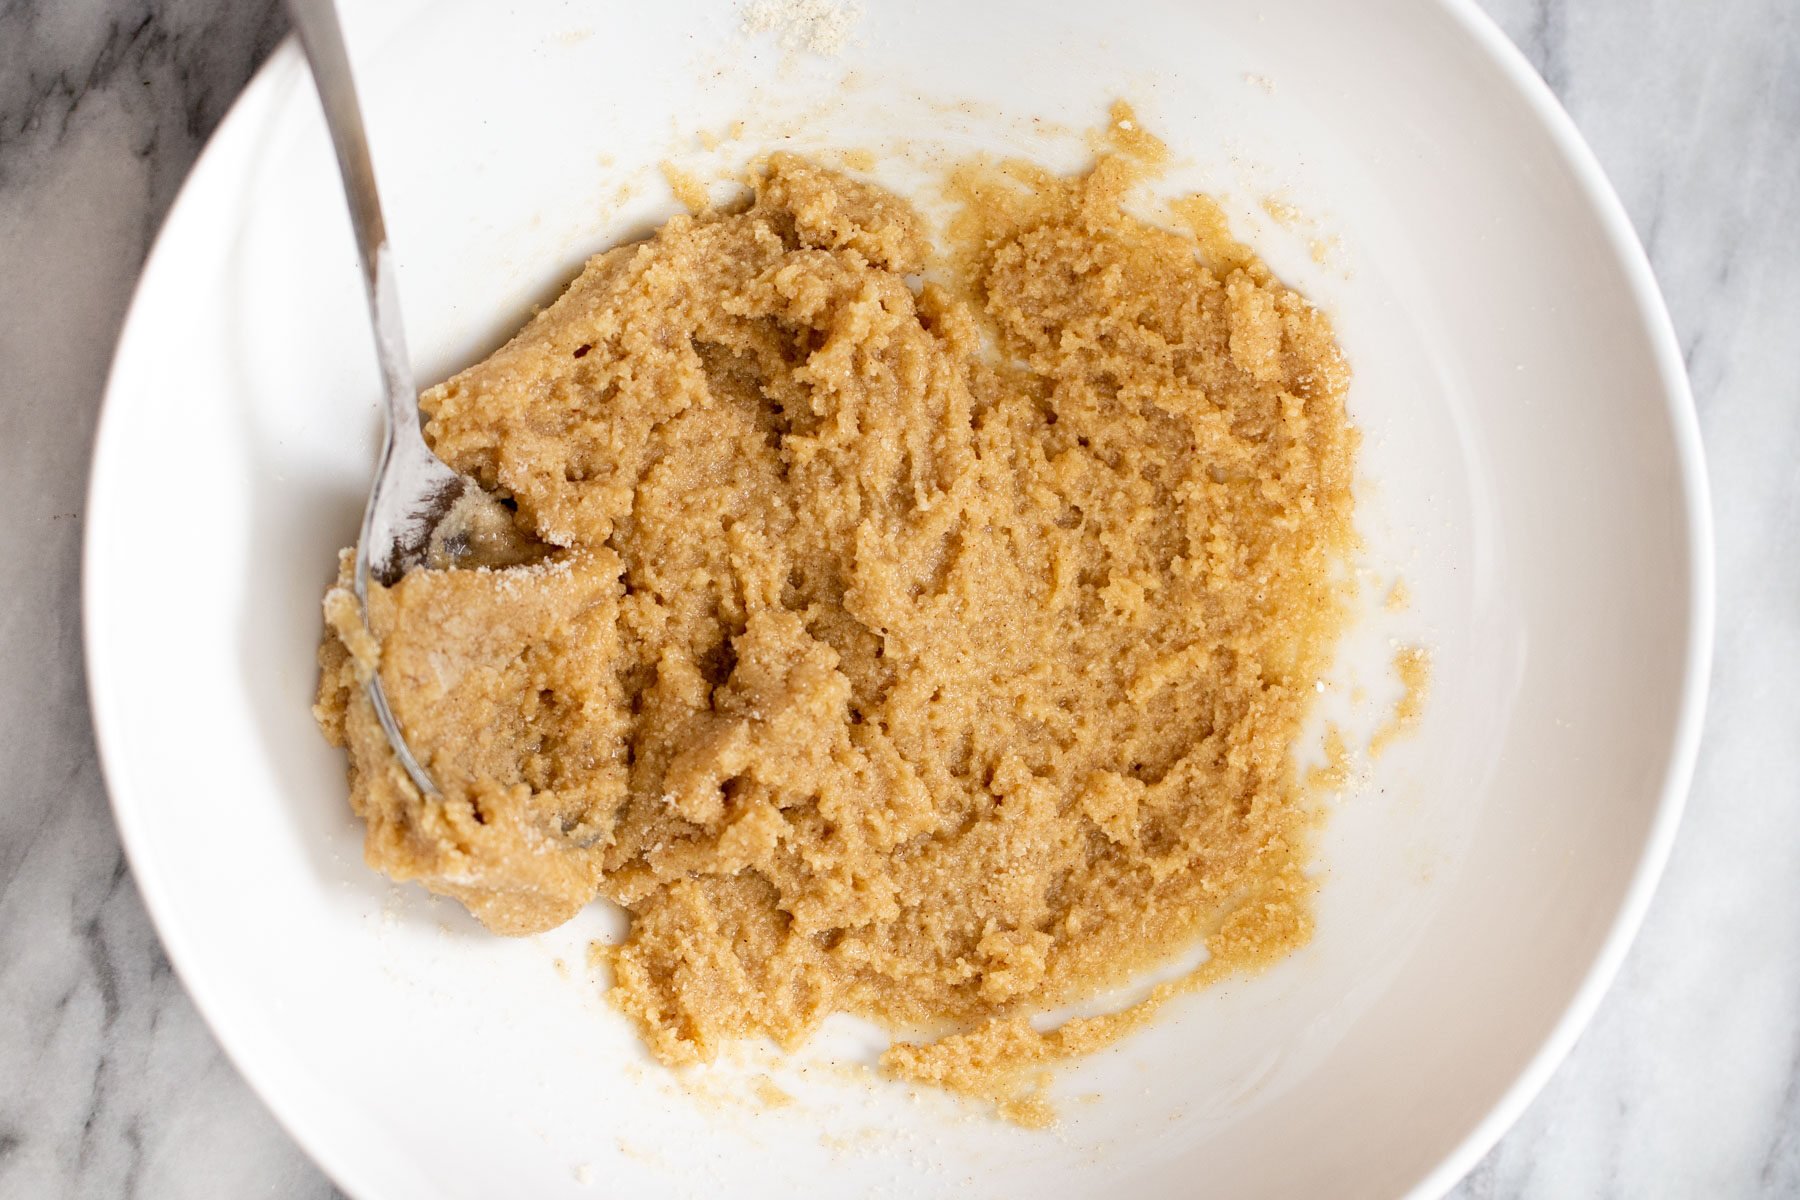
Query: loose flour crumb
(817, 26)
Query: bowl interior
(1527, 469)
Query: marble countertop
(1686, 1084)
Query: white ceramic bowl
(1530, 466)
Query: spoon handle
(316, 22)
(405, 465)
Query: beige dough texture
(933, 652)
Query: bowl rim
(259, 99)
(1622, 240)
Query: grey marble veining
(110, 1085)
(1687, 1083)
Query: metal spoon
(414, 490)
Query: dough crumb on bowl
(1413, 666)
(688, 189)
(934, 653)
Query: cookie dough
(927, 651)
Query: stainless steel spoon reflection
(420, 510)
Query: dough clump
(933, 652)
